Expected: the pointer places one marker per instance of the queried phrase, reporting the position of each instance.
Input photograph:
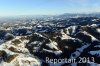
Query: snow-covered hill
(74, 41)
(71, 42)
(14, 53)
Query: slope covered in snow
(14, 53)
(33, 46)
(61, 44)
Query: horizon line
(49, 14)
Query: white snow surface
(92, 37)
(98, 30)
(97, 53)
(23, 58)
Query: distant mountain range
(97, 14)
(62, 16)
(94, 14)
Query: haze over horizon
(47, 7)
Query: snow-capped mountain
(33, 46)
(71, 42)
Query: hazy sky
(47, 7)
